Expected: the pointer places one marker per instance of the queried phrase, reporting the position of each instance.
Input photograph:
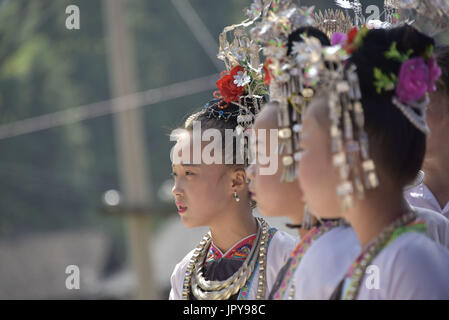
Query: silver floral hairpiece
(349, 142)
(242, 83)
(285, 75)
(415, 81)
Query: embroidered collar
(238, 251)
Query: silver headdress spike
(331, 21)
(240, 55)
(288, 87)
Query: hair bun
(371, 54)
(295, 36)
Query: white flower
(241, 79)
(298, 47)
(239, 54)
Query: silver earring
(236, 197)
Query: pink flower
(339, 38)
(434, 73)
(413, 80)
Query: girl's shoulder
(413, 266)
(437, 225)
(281, 245)
(177, 277)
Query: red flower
(236, 69)
(267, 78)
(228, 89)
(349, 46)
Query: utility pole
(131, 149)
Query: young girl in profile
(241, 255)
(360, 148)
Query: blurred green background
(53, 180)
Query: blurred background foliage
(54, 179)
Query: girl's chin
(189, 223)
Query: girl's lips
(181, 207)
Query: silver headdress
(331, 21)
(241, 87)
(349, 141)
(288, 87)
(428, 16)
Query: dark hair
(442, 55)
(396, 146)
(295, 36)
(210, 119)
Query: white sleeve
(177, 277)
(411, 268)
(279, 251)
(175, 293)
(421, 273)
(437, 225)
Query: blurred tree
(55, 178)
(44, 180)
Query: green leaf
(394, 54)
(383, 81)
(429, 52)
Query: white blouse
(421, 196)
(437, 225)
(278, 252)
(328, 259)
(411, 267)
(325, 264)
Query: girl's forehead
(206, 169)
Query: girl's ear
(238, 178)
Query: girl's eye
(173, 175)
(189, 173)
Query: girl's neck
(378, 210)
(437, 176)
(233, 226)
(297, 219)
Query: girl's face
(438, 121)
(203, 192)
(317, 175)
(273, 197)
